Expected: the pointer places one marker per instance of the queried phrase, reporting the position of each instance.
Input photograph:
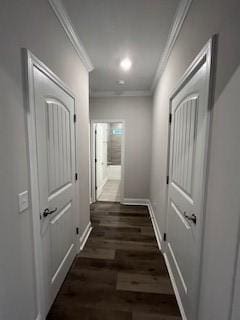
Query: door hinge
(96, 188)
(95, 131)
(170, 118)
(167, 180)
(77, 230)
(74, 118)
(76, 176)
(164, 237)
(95, 160)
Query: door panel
(188, 140)
(183, 144)
(54, 111)
(59, 155)
(179, 229)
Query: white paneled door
(187, 170)
(54, 118)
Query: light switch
(23, 201)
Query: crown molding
(109, 94)
(176, 28)
(65, 21)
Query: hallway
(119, 162)
(120, 274)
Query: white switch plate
(23, 201)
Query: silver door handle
(191, 218)
(47, 212)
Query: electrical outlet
(23, 201)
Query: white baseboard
(135, 202)
(155, 225)
(159, 240)
(147, 202)
(175, 289)
(84, 237)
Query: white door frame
(31, 61)
(205, 55)
(93, 156)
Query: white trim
(135, 202)
(176, 28)
(92, 160)
(39, 317)
(109, 94)
(206, 55)
(158, 236)
(30, 62)
(147, 202)
(89, 164)
(93, 164)
(61, 266)
(175, 289)
(84, 237)
(155, 225)
(234, 309)
(65, 21)
(179, 272)
(67, 25)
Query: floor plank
(98, 253)
(120, 274)
(83, 313)
(147, 230)
(147, 316)
(144, 283)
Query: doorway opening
(107, 159)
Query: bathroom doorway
(107, 160)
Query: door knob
(47, 212)
(192, 218)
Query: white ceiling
(113, 29)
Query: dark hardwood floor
(120, 274)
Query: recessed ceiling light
(126, 64)
(120, 82)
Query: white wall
(206, 18)
(137, 113)
(31, 24)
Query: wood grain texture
(120, 274)
(98, 253)
(144, 283)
